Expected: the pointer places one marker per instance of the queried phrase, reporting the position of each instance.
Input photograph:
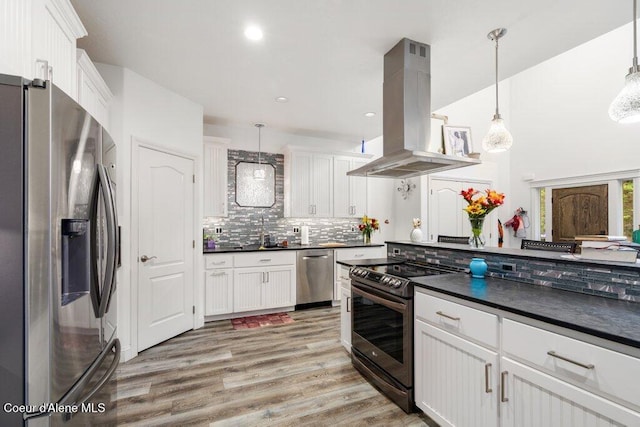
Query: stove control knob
(397, 283)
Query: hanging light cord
(259, 143)
(635, 39)
(497, 111)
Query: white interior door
(165, 246)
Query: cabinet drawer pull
(439, 313)
(265, 260)
(221, 273)
(348, 302)
(566, 359)
(503, 381)
(219, 263)
(358, 255)
(487, 381)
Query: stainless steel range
(382, 326)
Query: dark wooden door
(579, 210)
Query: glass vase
(476, 240)
(366, 237)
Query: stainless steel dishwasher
(314, 282)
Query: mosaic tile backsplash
(606, 281)
(242, 225)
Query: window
(627, 208)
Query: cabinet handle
(265, 260)
(487, 381)
(267, 277)
(345, 278)
(310, 209)
(348, 304)
(358, 255)
(439, 313)
(503, 381)
(222, 273)
(566, 359)
(263, 278)
(219, 263)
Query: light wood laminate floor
(295, 375)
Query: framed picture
(457, 140)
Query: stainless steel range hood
(406, 125)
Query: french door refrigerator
(59, 250)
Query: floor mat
(251, 322)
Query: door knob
(145, 258)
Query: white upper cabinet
(317, 185)
(215, 176)
(310, 184)
(38, 40)
(93, 93)
(350, 192)
(55, 29)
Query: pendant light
(625, 108)
(259, 173)
(498, 138)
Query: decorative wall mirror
(255, 184)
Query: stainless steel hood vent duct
(406, 112)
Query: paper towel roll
(304, 235)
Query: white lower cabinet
(245, 282)
(532, 378)
(455, 379)
(218, 291)
(262, 288)
(345, 317)
(531, 398)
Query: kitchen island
(517, 348)
(291, 247)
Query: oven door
(382, 330)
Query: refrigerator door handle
(115, 249)
(71, 397)
(100, 297)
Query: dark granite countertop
(521, 253)
(293, 246)
(371, 262)
(611, 319)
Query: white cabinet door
(531, 398)
(349, 192)
(301, 184)
(322, 185)
(455, 380)
(56, 26)
(218, 291)
(262, 288)
(93, 93)
(215, 179)
(279, 288)
(342, 205)
(358, 188)
(247, 289)
(15, 38)
(345, 318)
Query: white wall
(557, 113)
(144, 110)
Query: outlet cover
(218, 230)
(296, 229)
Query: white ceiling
(326, 56)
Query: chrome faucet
(262, 232)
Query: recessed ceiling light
(253, 32)
(282, 99)
(369, 114)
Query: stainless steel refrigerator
(59, 254)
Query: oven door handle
(382, 301)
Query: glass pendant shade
(498, 138)
(625, 108)
(259, 173)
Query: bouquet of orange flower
(367, 226)
(478, 207)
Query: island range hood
(406, 125)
